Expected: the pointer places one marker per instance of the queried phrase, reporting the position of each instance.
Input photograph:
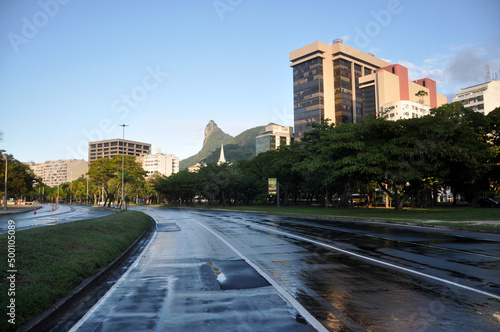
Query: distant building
(404, 109)
(482, 98)
(196, 168)
(343, 84)
(164, 164)
(54, 173)
(117, 147)
(273, 137)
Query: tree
(106, 174)
(20, 178)
(177, 187)
(465, 150)
(400, 155)
(492, 132)
(215, 182)
(420, 94)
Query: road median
(54, 264)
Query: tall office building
(117, 147)
(342, 84)
(482, 98)
(54, 173)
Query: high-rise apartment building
(117, 147)
(159, 163)
(342, 84)
(273, 137)
(482, 98)
(54, 173)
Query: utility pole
(87, 184)
(123, 164)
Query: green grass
(52, 261)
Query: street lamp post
(87, 184)
(5, 198)
(57, 198)
(123, 164)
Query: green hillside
(235, 148)
(247, 138)
(214, 136)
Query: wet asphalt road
(48, 215)
(199, 273)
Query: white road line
(402, 241)
(111, 290)
(298, 237)
(308, 317)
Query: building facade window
(369, 103)
(343, 91)
(308, 94)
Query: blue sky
(73, 70)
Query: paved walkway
(12, 209)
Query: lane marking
(298, 237)
(335, 229)
(112, 289)
(308, 317)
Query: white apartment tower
(482, 98)
(164, 164)
(54, 173)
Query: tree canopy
(409, 160)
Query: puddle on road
(236, 274)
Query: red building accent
(431, 85)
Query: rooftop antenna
(488, 77)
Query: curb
(46, 320)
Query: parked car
(488, 202)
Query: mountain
(214, 136)
(235, 148)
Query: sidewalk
(13, 209)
